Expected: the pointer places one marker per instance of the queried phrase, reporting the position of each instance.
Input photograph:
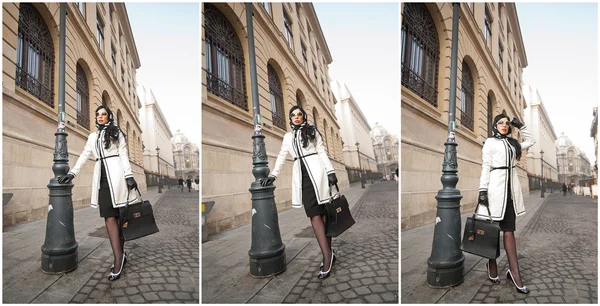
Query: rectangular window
(315, 71)
(81, 6)
(509, 71)
(500, 59)
(304, 58)
(266, 5)
(123, 76)
(488, 28)
(100, 32)
(416, 60)
(403, 43)
(113, 56)
(208, 56)
(288, 30)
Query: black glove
(267, 181)
(516, 123)
(66, 179)
(483, 199)
(131, 184)
(332, 179)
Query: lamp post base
(267, 267)
(60, 263)
(445, 277)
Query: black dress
(309, 197)
(104, 200)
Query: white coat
(499, 153)
(116, 165)
(317, 165)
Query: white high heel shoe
(326, 274)
(114, 276)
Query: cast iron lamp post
(446, 264)
(267, 252)
(542, 183)
(360, 173)
(59, 252)
(158, 164)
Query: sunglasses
(296, 114)
(503, 123)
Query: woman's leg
(510, 247)
(319, 228)
(324, 217)
(493, 268)
(112, 227)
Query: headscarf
(112, 131)
(307, 131)
(513, 142)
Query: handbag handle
(127, 202)
(338, 189)
(489, 213)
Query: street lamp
(542, 184)
(362, 183)
(158, 163)
(446, 264)
(59, 252)
(267, 252)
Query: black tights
(510, 246)
(117, 242)
(318, 225)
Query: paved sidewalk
(416, 248)
(23, 280)
(225, 262)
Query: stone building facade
(101, 63)
(155, 134)
(354, 128)
(540, 127)
(491, 57)
(292, 61)
(573, 165)
(385, 146)
(186, 157)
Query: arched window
(133, 155)
(300, 98)
(325, 142)
(119, 118)
(490, 114)
(316, 117)
(105, 99)
(127, 139)
(276, 97)
(420, 52)
(467, 102)
(83, 99)
(225, 76)
(387, 143)
(333, 143)
(35, 55)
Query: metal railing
(223, 90)
(418, 85)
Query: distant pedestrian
(564, 190)
(189, 184)
(498, 180)
(181, 184)
(570, 187)
(312, 178)
(111, 182)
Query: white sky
(363, 41)
(561, 43)
(167, 36)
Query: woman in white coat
(111, 181)
(500, 191)
(312, 178)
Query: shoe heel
(523, 289)
(326, 274)
(495, 280)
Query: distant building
(101, 63)
(539, 125)
(573, 165)
(155, 134)
(186, 157)
(354, 129)
(385, 147)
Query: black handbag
(482, 237)
(137, 220)
(339, 218)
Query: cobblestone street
(558, 255)
(161, 268)
(367, 267)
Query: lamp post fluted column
(267, 252)
(542, 182)
(59, 252)
(446, 264)
(360, 172)
(158, 164)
